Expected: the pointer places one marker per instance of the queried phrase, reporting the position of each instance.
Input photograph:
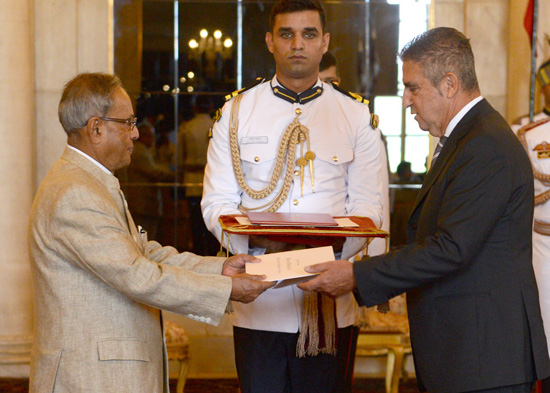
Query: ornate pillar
(16, 188)
(47, 44)
(71, 36)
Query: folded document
(290, 264)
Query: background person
(403, 203)
(145, 201)
(193, 140)
(535, 138)
(328, 69)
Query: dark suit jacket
(471, 292)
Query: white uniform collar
(288, 95)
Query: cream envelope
(290, 264)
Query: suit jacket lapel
(461, 129)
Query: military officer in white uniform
(533, 134)
(535, 137)
(335, 167)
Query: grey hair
(85, 96)
(442, 50)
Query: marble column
(489, 40)
(129, 44)
(45, 44)
(71, 36)
(16, 188)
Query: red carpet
(224, 386)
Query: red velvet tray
(366, 228)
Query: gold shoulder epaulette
(228, 97)
(216, 118)
(354, 96)
(532, 125)
(237, 92)
(217, 115)
(374, 120)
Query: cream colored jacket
(98, 289)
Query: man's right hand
(248, 287)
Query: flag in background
(528, 20)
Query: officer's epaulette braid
(350, 94)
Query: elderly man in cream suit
(98, 283)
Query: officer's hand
(271, 246)
(236, 264)
(336, 278)
(338, 244)
(247, 287)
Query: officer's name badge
(254, 140)
(543, 150)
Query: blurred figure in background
(328, 69)
(144, 200)
(535, 138)
(191, 159)
(403, 203)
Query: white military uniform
(347, 180)
(535, 137)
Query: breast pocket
(259, 153)
(258, 162)
(335, 155)
(330, 168)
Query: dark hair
(328, 61)
(403, 167)
(203, 103)
(289, 6)
(84, 96)
(442, 50)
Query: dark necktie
(438, 149)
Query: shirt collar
(91, 159)
(460, 115)
(288, 95)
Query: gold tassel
(309, 338)
(329, 319)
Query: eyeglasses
(130, 122)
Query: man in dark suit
(472, 297)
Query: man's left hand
(236, 264)
(336, 278)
